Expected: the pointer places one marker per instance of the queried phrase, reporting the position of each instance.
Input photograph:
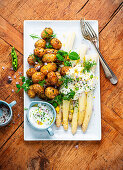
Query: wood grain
(106, 154)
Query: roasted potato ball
(42, 96)
(31, 93)
(59, 82)
(51, 51)
(37, 76)
(46, 33)
(38, 89)
(56, 43)
(39, 52)
(51, 92)
(48, 68)
(49, 58)
(30, 72)
(40, 43)
(64, 70)
(31, 59)
(47, 82)
(38, 66)
(52, 78)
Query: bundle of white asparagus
(80, 113)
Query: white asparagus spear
(66, 104)
(88, 111)
(82, 51)
(82, 107)
(70, 41)
(71, 110)
(74, 120)
(89, 106)
(59, 116)
(83, 97)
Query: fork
(89, 34)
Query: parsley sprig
(88, 65)
(33, 36)
(26, 83)
(69, 95)
(48, 45)
(42, 83)
(59, 99)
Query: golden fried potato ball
(48, 68)
(64, 70)
(51, 92)
(52, 78)
(39, 52)
(46, 33)
(30, 72)
(51, 51)
(49, 58)
(47, 83)
(59, 82)
(40, 43)
(31, 59)
(37, 76)
(38, 66)
(38, 89)
(31, 92)
(56, 43)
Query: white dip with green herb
(41, 115)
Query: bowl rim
(44, 102)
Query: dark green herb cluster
(26, 83)
(62, 56)
(88, 65)
(42, 83)
(14, 59)
(48, 45)
(59, 99)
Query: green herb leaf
(25, 108)
(26, 83)
(67, 63)
(62, 53)
(48, 35)
(69, 96)
(57, 100)
(42, 83)
(91, 76)
(77, 79)
(76, 88)
(34, 36)
(59, 57)
(23, 78)
(74, 56)
(48, 45)
(88, 65)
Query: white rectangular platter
(61, 27)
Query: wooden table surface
(15, 153)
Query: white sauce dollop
(41, 116)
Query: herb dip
(41, 115)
